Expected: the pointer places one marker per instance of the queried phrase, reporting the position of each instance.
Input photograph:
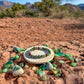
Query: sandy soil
(25, 32)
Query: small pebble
(34, 68)
(61, 61)
(16, 57)
(10, 62)
(56, 55)
(26, 66)
(6, 66)
(73, 64)
(54, 65)
(44, 77)
(38, 71)
(75, 59)
(5, 70)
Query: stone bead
(73, 64)
(49, 66)
(10, 62)
(54, 65)
(5, 70)
(1, 71)
(56, 55)
(44, 78)
(26, 66)
(21, 64)
(16, 57)
(6, 66)
(75, 59)
(38, 71)
(61, 61)
(41, 73)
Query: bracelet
(39, 56)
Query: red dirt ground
(25, 32)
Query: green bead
(75, 59)
(16, 57)
(10, 62)
(1, 71)
(6, 66)
(5, 70)
(56, 55)
(44, 77)
(61, 61)
(26, 66)
(16, 49)
(38, 71)
(54, 65)
(73, 64)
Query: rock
(75, 59)
(61, 61)
(26, 66)
(21, 64)
(16, 49)
(49, 66)
(56, 55)
(17, 70)
(38, 71)
(16, 57)
(44, 77)
(34, 68)
(41, 73)
(5, 70)
(6, 66)
(10, 62)
(73, 64)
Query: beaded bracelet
(39, 56)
